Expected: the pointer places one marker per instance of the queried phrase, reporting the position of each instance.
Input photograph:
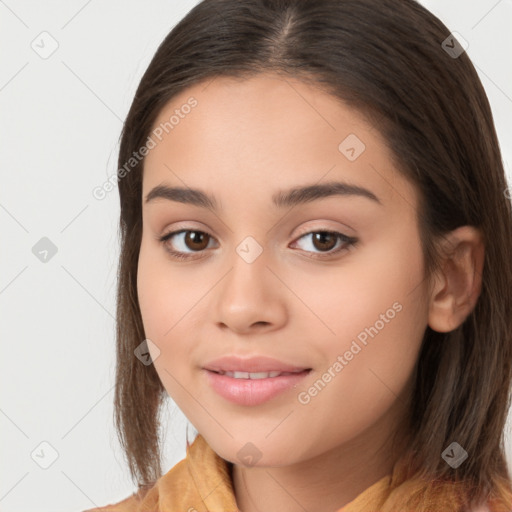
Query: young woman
(316, 264)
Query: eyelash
(349, 242)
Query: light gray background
(60, 123)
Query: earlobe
(457, 284)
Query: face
(329, 282)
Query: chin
(258, 452)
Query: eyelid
(314, 229)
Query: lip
(251, 392)
(231, 363)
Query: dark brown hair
(386, 59)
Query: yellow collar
(202, 482)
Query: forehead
(267, 101)
(266, 133)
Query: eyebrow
(281, 199)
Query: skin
(242, 142)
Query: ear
(457, 284)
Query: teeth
(253, 375)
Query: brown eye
(195, 240)
(324, 240)
(185, 242)
(324, 244)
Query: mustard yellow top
(201, 482)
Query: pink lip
(252, 391)
(233, 363)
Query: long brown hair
(388, 59)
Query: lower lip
(252, 391)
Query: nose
(250, 298)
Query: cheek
(375, 315)
(150, 292)
(167, 301)
(382, 278)
(161, 297)
(380, 321)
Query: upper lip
(233, 363)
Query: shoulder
(129, 504)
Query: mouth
(257, 375)
(253, 388)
